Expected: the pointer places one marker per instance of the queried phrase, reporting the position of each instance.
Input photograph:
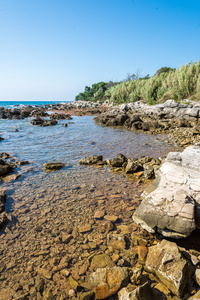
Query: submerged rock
(107, 281)
(53, 166)
(173, 207)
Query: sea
(68, 145)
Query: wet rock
(118, 161)
(45, 273)
(101, 261)
(74, 284)
(99, 214)
(4, 155)
(166, 262)
(4, 219)
(117, 241)
(107, 225)
(107, 281)
(10, 178)
(66, 238)
(143, 292)
(111, 218)
(85, 228)
(91, 160)
(132, 167)
(53, 166)
(4, 169)
(149, 172)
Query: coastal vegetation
(167, 83)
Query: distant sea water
(11, 104)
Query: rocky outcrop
(179, 119)
(166, 262)
(22, 112)
(43, 122)
(173, 206)
(57, 116)
(81, 108)
(114, 117)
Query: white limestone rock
(173, 208)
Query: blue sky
(52, 49)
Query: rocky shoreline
(95, 250)
(181, 121)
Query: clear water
(68, 145)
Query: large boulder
(166, 262)
(173, 207)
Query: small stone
(117, 241)
(65, 272)
(45, 273)
(66, 238)
(111, 218)
(142, 252)
(74, 284)
(99, 214)
(86, 228)
(107, 225)
(101, 261)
